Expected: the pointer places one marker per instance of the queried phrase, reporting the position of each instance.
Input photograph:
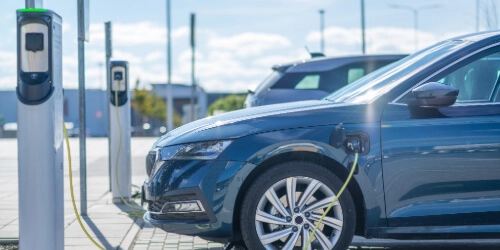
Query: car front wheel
(283, 205)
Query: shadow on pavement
(136, 213)
(101, 238)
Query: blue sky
(237, 41)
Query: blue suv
(424, 133)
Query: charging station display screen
(34, 42)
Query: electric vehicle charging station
(119, 134)
(40, 132)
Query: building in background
(182, 98)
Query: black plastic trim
(188, 191)
(34, 102)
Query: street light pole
(170, 102)
(363, 43)
(415, 28)
(193, 81)
(477, 15)
(415, 16)
(322, 29)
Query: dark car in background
(314, 79)
(426, 130)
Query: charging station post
(119, 132)
(40, 132)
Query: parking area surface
(118, 226)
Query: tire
(268, 222)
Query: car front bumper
(213, 184)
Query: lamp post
(363, 43)
(415, 16)
(322, 28)
(170, 102)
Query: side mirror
(435, 95)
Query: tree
(228, 103)
(150, 105)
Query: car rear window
(328, 81)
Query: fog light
(182, 207)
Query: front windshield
(371, 86)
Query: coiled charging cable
(354, 164)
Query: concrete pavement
(114, 226)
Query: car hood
(267, 118)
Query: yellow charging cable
(333, 201)
(120, 132)
(71, 189)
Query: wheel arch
(332, 165)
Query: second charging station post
(119, 134)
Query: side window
(477, 79)
(354, 74)
(308, 82)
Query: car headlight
(206, 150)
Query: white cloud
(93, 56)
(8, 69)
(249, 43)
(8, 59)
(8, 82)
(267, 61)
(133, 34)
(66, 27)
(379, 40)
(155, 56)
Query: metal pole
(109, 52)
(322, 27)
(477, 15)
(363, 44)
(193, 83)
(415, 16)
(82, 122)
(34, 3)
(170, 102)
